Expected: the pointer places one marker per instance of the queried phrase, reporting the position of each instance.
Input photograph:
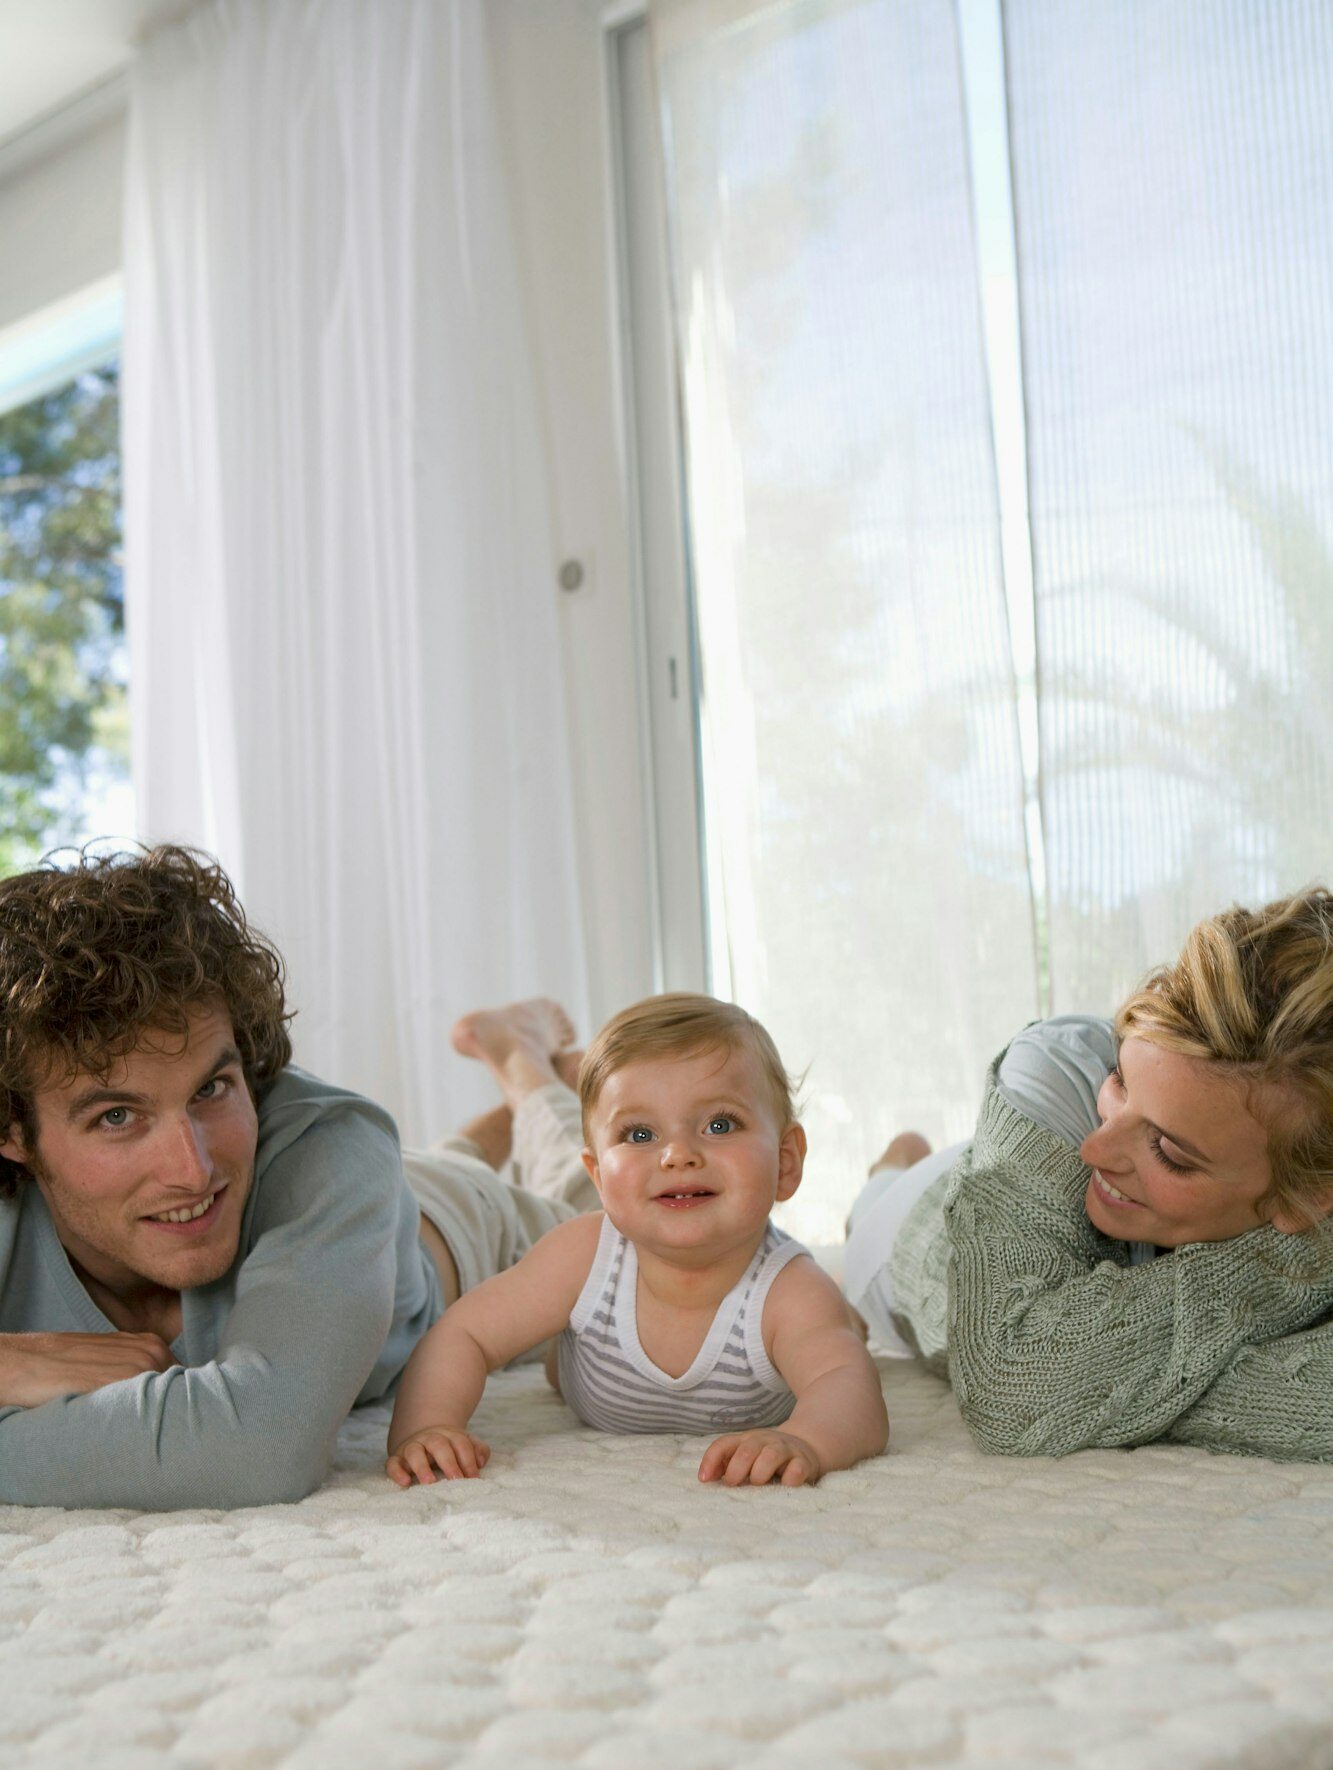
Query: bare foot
(567, 1067)
(493, 1134)
(905, 1151)
(518, 1044)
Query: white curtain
(869, 892)
(341, 593)
(1173, 177)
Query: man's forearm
(159, 1443)
(17, 1388)
(36, 1368)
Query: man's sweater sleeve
(1053, 1346)
(313, 1302)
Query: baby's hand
(757, 1457)
(455, 1453)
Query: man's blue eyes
(117, 1118)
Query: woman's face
(1179, 1155)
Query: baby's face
(687, 1153)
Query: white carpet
(587, 1603)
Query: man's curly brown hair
(93, 955)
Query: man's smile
(190, 1216)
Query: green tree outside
(63, 708)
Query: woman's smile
(1111, 1193)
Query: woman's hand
(757, 1457)
(452, 1450)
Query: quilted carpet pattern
(586, 1603)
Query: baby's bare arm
(839, 1416)
(486, 1328)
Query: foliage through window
(64, 727)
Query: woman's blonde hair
(1253, 989)
(680, 1025)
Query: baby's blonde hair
(680, 1025)
(1253, 990)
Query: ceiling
(54, 51)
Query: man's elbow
(272, 1474)
(278, 1475)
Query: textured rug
(587, 1603)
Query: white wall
(60, 212)
(60, 208)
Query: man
(207, 1257)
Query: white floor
(587, 1603)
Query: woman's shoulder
(1053, 1071)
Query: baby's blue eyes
(721, 1126)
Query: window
(1014, 641)
(64, 727)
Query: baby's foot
(518, 1044)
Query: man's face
(145, 1170)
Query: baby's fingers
(798, 1472)
(742, 1460)
(421, 1457)
(715, 1457)
(467, 1456)
(433, 1454)
(396, 1470)
(766, 1465)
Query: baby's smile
(684, 1198)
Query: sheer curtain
(868, 879)
(340, 584)
(1173, 185)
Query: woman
(1137, 1243)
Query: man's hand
(758, 1457)
(455, 1453)
(39, 1367)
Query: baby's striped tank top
(611, 1383)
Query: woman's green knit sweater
(1055, 1343)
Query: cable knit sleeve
(1274, 1400)
(1054, 1346)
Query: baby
(680, 1307)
